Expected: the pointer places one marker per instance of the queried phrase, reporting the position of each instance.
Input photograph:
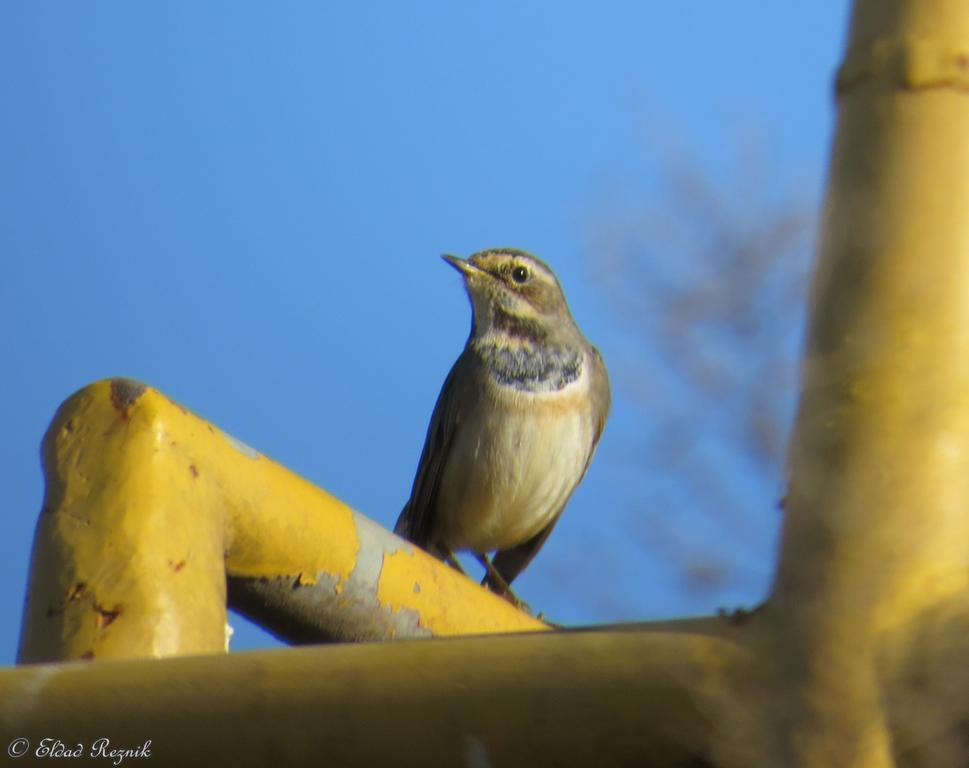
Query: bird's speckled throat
(546, 368)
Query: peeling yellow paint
(305, 578)
(443, 601)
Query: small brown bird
(516, 424)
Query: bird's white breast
(516, 461)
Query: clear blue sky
(242, 204)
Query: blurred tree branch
(707, 281)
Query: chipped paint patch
(124, 394)
(104, 617)
(241, 447)
(475, 754)
(376, 542)
(18, 706)
(76, 591)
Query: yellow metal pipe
(566, 698)
(148, 509)
(876, 535)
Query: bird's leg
(492, 579)
(492, 575)
(498, 584)
(451, 559)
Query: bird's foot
(553, 624)
(497, 584)
(516, 601)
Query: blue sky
(242, 204)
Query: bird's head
(513, 292)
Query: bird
(516, 423)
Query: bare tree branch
(707, 281)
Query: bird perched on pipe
(516, 423)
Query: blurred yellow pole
(874, 570)
(553, 698)
(149, 508)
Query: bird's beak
(463, 266)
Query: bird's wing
(417, 521)
(510, 562)
(601, 401)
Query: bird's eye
(519, 274)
